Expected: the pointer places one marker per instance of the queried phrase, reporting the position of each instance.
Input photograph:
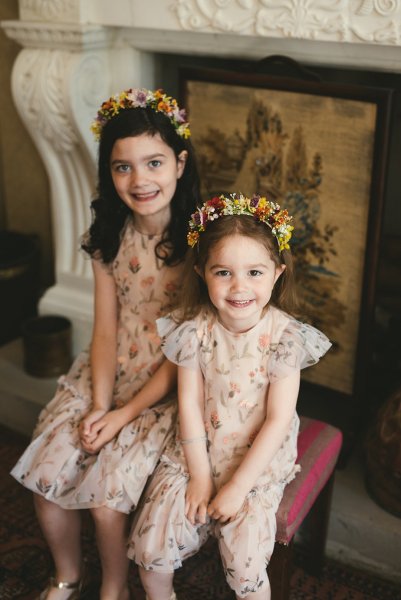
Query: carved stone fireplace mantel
(75, 53)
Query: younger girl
(239, 357)
(101, 436)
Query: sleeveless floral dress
(237, 371)
(54, 464)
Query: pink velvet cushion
(319, 445)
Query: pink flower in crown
(137, 97)
(179, 114)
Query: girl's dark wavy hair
(109, 213)
(194, 296)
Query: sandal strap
(67, 585)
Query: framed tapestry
(319, 150)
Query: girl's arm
(103, 346)
(281, 404)
(193, 439)
(108, 425)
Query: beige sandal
(76, 588)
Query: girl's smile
(145, 171)
(240, 276)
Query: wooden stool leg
(314, 529)
(280, 570)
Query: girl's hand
(102, 431)
(85, 428)
(227, 502)
(199, 492)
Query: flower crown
(141, 98)
(259, 207)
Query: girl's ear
(181, 162)
(198, 272)
(279, 271)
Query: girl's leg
(111, 536)
(62, 531)
(158, 586)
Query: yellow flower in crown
(259, 207)
(141, 98)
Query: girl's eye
(222, 273)
(255, 273)
(155, 163)
(122, 168)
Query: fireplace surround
(75, 53)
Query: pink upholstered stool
(319, 445)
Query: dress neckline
(149, 236)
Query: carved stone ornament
(49, 9)
(49, 35)
(41, 97)
(333, 20)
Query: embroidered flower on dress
(134, 265)
(133, 351)
(147, 281)
(214, 419)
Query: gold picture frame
(320, 150)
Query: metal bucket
(47, 345)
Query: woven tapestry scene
(26, 562)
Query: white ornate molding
(375, 21)
(48, 10)
(53, 35)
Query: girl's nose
(138, 177)
(237, 284)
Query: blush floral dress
(237, 371)
(54, 464)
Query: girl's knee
(102, 515)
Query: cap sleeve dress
(238, 370)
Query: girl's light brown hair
(195, 296)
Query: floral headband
(141, 98)
(259, 207)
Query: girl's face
(240, 276)
(145, 171)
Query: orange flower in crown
(142, 98)
(259, 207)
